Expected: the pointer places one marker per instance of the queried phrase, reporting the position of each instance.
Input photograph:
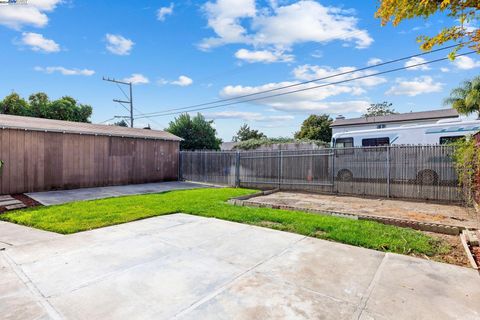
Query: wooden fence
(40, 161)
(409, 172)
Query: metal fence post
(332, 154)
(180, 172)
(280, 168)
(388, 171)
(237, 169)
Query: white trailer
(352, 163)
(442, 132)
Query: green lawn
(86, 215)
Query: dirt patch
(416, 211)
(476, 255)
(456, 255)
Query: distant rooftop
(48, 125)
(410, 116)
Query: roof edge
(4, 127)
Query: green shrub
(467, 163)
(257, 143)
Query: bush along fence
(477, 189)
(467, 163)
(409, 172)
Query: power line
(311, 88)
(304, 82)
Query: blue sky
(190, 52)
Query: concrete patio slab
(15, 235)
(16, 300)
(64, 196)
(187, 267)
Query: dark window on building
(381, 126)
(375, 142)
(344, 143)
(448, 140)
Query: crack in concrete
(51, 311)
(229, 283)
(362, 305)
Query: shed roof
(48, 125)
(410, 116)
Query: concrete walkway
(187, 267)
(16, 235)
(64, 196)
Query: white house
(341, 124)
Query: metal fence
(409, 172)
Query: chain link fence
(408, 172)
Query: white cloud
(118, 44)
(182, 81)
(263, 56)
(248, 116)
(31, 14)
(414, 61)
(465, 63)
(137, 78)
(163, 12)
(311, 72)
(224, 18)
(309, 100)
(374, 61)
(65, 71)
(444, 69)
(280, 27)
(308, 21)
(312, 98)
(37, 42)
(415, 87)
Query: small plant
(467, 163)
(257, 143)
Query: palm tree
(466, 98)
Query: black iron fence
(410, 172)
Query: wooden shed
(42, 154)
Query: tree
(198, 133)
(316, 127)
(466, 98)
(15, 105)
(462, 11)
(121, 123)
(245, 133)
(380, 109)
(39, 106)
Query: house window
(448, 140)
(376, 142)
(381, 126)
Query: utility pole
(129, 97)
